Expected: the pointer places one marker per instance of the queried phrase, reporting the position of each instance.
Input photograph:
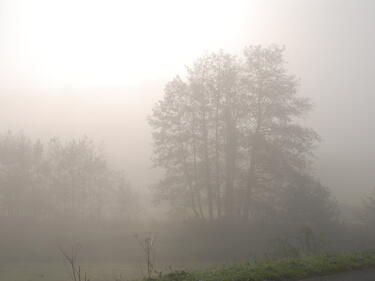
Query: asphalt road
(360, 275)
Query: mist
(99, 70)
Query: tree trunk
(188, 181)
(230, 159)
(207, 169)
(253, 146)
(196, 189)
(217, 163)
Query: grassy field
(280, 270)
(97, 271)
(57, 271)
(270, 270)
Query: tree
(274, 140)
(214, 83)
(367, 214)
(46, 182)
(229, 133)
(306, 201)
(21, 174)
(78, 175)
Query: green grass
(280, 270)
(271, 270)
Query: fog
(328, 46)
(96, 69)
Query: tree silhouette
(229, 132)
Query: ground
(358, 275)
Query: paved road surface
(360, 275)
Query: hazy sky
(75, 67)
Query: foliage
(229, 136)
(45, 182)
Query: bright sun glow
(86, 43)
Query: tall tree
(274, 139)
(228, 132)
(176, 147)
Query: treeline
(60, 180)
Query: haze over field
(96, 68)
(142, 137)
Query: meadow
(285, 269)
(96, 271)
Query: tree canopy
(229, 135)
(59, 180)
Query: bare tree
(71, 259)
(147, 243)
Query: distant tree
(78, 175)
(84, 185)
(124, 200)
(60, 179)
(229, 133)
(367, 214)
(21, 177)
(306, 201)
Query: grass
(109, 270)
(267, 270)
(280, 270)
